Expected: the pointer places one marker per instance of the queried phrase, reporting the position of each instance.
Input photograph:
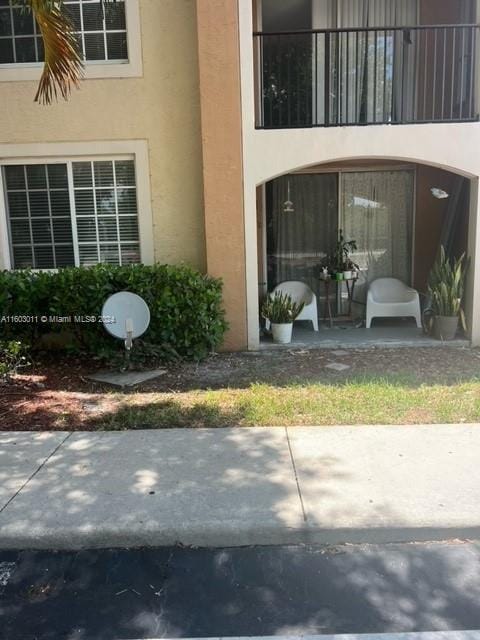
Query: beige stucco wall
(453, 147)
(162, 107)
(268, 154)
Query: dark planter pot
(445, 327)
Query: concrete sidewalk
(234, 487)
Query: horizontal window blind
(39, 216)
(102, 33)
(106, 212)
(77, 213)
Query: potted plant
(446, 287)
(338, 262)
(349, 270)
(281, 311)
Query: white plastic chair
(391, 298)
(300, 292)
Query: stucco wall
(161, 107)
(268, 154)
(222, 158)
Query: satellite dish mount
(129, 334)
(126, 316)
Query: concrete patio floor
(389, 334)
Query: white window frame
(131, 68)
(61, 153)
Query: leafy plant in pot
(338, 261)
(281, 311)
(446, 286)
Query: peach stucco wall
(222, 157)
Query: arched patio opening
(398, 214)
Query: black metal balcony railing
(345, 77)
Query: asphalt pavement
(252, 591)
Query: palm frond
(63, 62)
(63, 66)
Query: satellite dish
(126, 316)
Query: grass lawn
(377, 386)
(374, 401)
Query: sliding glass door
(376, 210)
(306, 212)
(302, 226)
(337, 62)
(287, 60)
(370, 73)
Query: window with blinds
(106, 212)
(39, 216)
(72, 214)
(102, 33)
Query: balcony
(359, 76)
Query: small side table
(327, 282)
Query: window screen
(39, 216)
(50, 229)
(106, 212)
(102, 34)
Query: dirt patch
(430, 365)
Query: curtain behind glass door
(371, 74)
(376, 210)
(298, 239)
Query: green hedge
(187, 318)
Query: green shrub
(13, 354)
(187, 318)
